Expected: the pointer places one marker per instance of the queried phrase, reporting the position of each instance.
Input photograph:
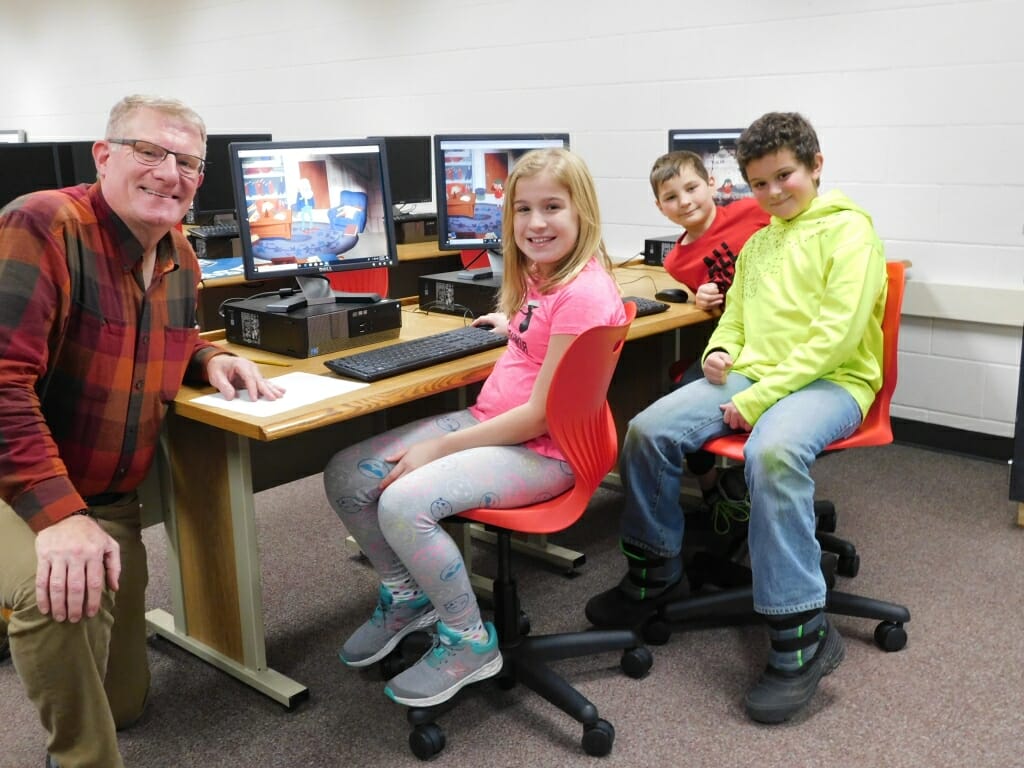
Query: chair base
(733, 601)
(526, 659)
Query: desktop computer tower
(451, 294)
(319, 329)
(657, 248)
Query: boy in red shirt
(704, 260)
(704, 256)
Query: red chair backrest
(876, 429)
(373, 280)
(581, 423)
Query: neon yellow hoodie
(806, 304)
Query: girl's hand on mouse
(708, 297)
(497, 321)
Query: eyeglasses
(148, 153)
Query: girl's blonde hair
(571, 172)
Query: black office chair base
(730, 601)
(525, 660)
(736, 606)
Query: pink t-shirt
(591, 299)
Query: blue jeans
(784, 554)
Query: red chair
(841, 556)
(581, 422)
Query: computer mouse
(674, 295)
(484, 326)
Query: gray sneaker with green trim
(445, 669)
(390, 622)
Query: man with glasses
(98, 293)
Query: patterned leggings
(398, 529)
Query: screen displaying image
(311, 207)
(471, 173)
(717, 148)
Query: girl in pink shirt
(392, 490)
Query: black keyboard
(414, 354)
(211, 231)
(646, 306)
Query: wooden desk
(218, 460)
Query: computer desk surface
(640, 280)
(202, 488)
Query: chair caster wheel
(392, 665)
(825, 512)
(848, 566)
(524, 624)
(505, 682)
(636, 662)
(426, 741)
(408, 652)
(598, 738)
(656, 631)
(890, 636)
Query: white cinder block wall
(917, 103)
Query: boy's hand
(716, 367)
(708, 297)
(733, 418)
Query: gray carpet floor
(934, 531)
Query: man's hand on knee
(75, 560)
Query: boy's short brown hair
(671, 164)
(773, 132)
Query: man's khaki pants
(89, 678)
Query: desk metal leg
(214, 565)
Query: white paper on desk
(300, 389)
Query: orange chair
(374, 280)
(842, 557)
(581, 422)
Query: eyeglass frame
(177, 156)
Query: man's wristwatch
(85, 512)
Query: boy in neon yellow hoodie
(795, 361)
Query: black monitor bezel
(245, 234)
(18, 181)
(393, 168)
(440, 195)
(199, 205)
(77, 165)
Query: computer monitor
(217, 193)
(471, 171)
(717, 148)
(28, 167)
(306, 208)
(410, 171)
(76, 162)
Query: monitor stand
(496, 270)
(316, 289)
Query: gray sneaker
(390, 622)
(446, 668)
